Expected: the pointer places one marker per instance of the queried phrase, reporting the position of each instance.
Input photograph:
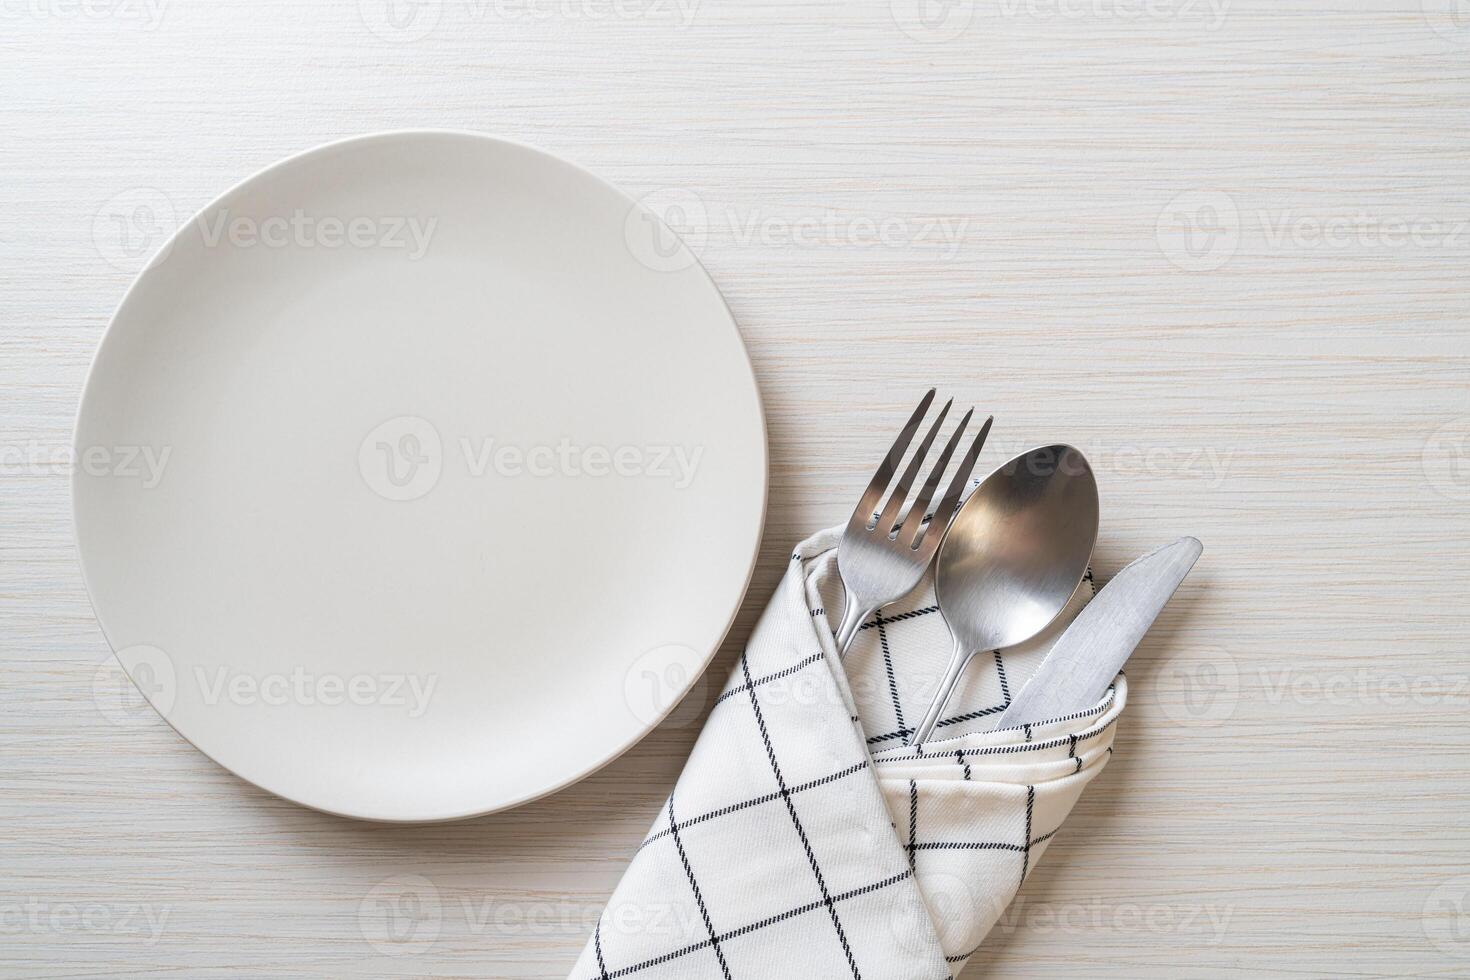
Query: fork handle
(959, 659)
(853, 615)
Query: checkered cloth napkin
(804, 840)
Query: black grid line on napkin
(762, 877)
(716, 940)
(883, 623)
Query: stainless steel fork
(883, 555)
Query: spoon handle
(958, 660)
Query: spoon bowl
(1013, 557)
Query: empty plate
(418, 476)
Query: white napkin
(803, 840)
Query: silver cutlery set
(1008, 561)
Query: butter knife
(1088, 655)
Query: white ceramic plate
(419, 476)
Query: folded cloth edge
(912, 864)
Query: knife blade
(1088, 655)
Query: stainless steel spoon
(1013, 556)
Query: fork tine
(951, 501)
(863, 513)
(921, 503)
(888, 521)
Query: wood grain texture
(1289, 385)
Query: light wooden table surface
(1221, 245)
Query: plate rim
(388, 135)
